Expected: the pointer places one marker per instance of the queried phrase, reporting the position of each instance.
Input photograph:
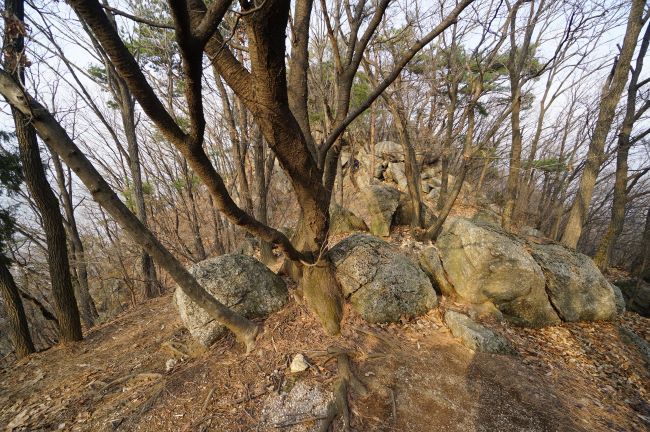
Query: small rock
(298, 364)
(475, 336)
(169, 364)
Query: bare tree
(611, 94)
(48, 205)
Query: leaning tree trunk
(13, 306)
(46, 202)
(611, 95)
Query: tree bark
(46, 202)
(611, 95)
(13, 306)
(615, 226)
(266, 252)
(150, 285)
(85, 301)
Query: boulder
(488, 216)
(636, 295)
(475, 336)
(377, 208)
(382, 284)
(575, 286)
(396, 172)
(430, 263)
(344, 221)
(528, 231)
(390, 151)
(404, 212)
(484, 264)
(240, 282)
(619, 300)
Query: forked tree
(275, 92)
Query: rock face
(238, 281)
(377, 208)
(302, 402)
(381, 284)
(486, 265)
(343, 221)
(475, 336)
(576, 288)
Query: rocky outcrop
(382, 284)
(376, 205)
(240, 282)
(575, 286)
(344, 221)
(530, 284)
(486, 265)
(475, 336)
(389, 151)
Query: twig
(207, 400)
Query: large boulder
(238, 281)
(396, 172)
(344, 221)
(484, 264)
(376, 205)
(429, 261)
(636, 295)
(381, 283)
(404, 212)
(575, 286)
(389, 151)
(476, 336)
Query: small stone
(169, 364)
(298, 364)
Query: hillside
(583, 377)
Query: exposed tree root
(345, 381)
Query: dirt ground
(574, 377)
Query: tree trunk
(46, 202)
(643, 270)
(515, 158)
(266, 251)
(615, 227)
(13, 306)
(411, 169)
(85, 301)
(611, 95)
(150, 286)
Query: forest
(481, 164)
